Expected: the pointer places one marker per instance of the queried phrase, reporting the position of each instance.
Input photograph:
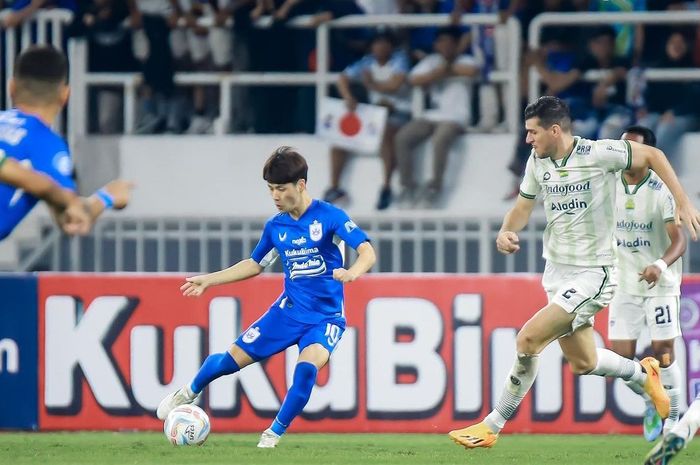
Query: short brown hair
(285, 165)
(39, 72)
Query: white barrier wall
(219, 176)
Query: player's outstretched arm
(366, 257)
(196, 285)
(115, 195)
(647, 156)
(74, 219)
(675, 250)
(515, 220)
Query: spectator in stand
(199, 48)
(383, 73)
(628, 37)
(25, 9)
(445, 119)
(421, 39)
(109, 50)
(152, 21)
(490, 46)
(671, 107)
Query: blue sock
(215, 366)
(297, 397)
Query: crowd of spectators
(379, 65)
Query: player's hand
(194, 286)
(75, 219)
(507, 242)
(687, 214)
(343, 275)
(120, 190)
(651, 275)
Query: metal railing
(600, 18)
(426, 243)
(321, 78)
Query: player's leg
(678, 438)
(270, 334)
(545, 326)
(663, 319)
(625, 323)
(315, 350)
(587, 359)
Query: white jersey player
(577, 180)
(650, 246)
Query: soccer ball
(187, 425)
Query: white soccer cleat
(268, 439)
(182, 396)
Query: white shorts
(630, 313)
(581, 290)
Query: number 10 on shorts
(333, 334)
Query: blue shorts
(275, 331)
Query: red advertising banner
(422, 353)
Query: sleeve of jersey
(60, 170)
(348, 231)
(265, 253)
(3, 157)
(530, 187)
(614, 155)
(668, 206)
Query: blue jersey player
(307, 235)
(69, 207)
(39, 91)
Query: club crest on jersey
(629, 204)
(563, 174)
(251, 335)
(316, 231)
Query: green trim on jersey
(629, 154)
(669, 220)
(527, 196)
(639, 184)
(566, 158)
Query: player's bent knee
(526, 343)
(582, 366)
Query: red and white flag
(360, 130)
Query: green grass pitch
(325, 449)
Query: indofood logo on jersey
(631, 225)
(566, 189)
(306, 266)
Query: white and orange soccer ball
(187, 425)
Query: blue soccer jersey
(31, 142)
(310, 248)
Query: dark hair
(42, 63)
(603, 31)
(648, 136)
(452, 31)
(385, 35)
(550, 110)
(285, 165)
(39, 73)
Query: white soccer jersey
(642, 213)
(579, 200)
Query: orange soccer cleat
(655, 388)
(474, 436)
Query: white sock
(518, 383)
(689, 424)
(617, 366)
(671, 379)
